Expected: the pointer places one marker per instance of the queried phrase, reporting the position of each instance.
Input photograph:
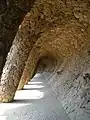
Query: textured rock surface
(58, 30)
(68, 42)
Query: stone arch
(31, 65)
(62, 42)
(45, 63)
(35, 22)
(52, 27)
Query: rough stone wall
(68, 44)
(71, 87)
(67, 38)
(60, 28)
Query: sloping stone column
(15, 63)
(30, 67)
(13, 69)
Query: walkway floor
(35, 102)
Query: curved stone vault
(53, 39)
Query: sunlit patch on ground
(6, 106)
(33, 86)
(3, 117)
(29, 94)
(33, 83)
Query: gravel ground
(35, 102)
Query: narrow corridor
(35, 102)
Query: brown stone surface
(60, 30)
